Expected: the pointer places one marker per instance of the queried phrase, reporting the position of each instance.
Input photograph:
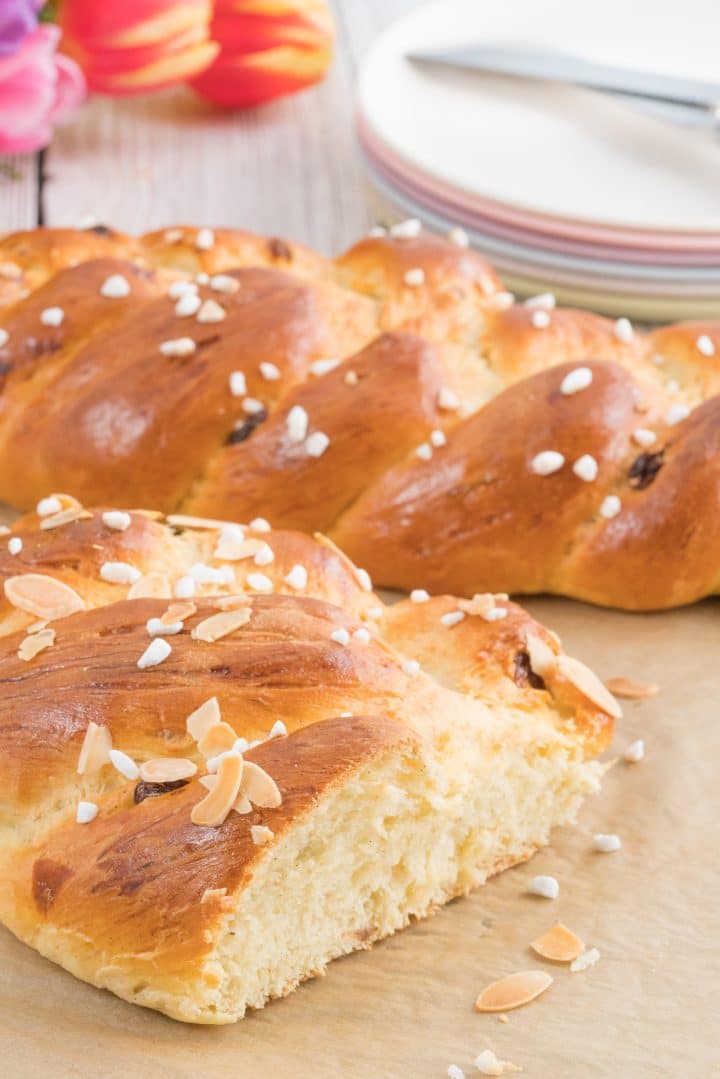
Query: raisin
(645, 468)
(239, 434)
(524, 674)
(279, 249)
(153, 790)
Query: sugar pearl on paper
(547, 887)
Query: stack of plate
(564, 189)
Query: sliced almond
(260, 834)
(35, 643)
(42, 596)
(186, 520)
(220, 625)
(178, 612)
(67, 502)
(588, 684)
(513, 991)
(151, 515)
(218, 738)
(217, 803)
(229, 603)
(542, 657)
(631, 689)
(95, 750)
(260, 788)
(559, 944)
(65, 517)
(200, 721)
(208, 781)
(482, 603)
(151, 585)
(230, 550)
(241, 803)
(167, 769)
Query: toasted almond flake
(187, 520)
(588, 684)
(177, 612)
(202, 719)
(65, 517)
(220, 625)
(513, 991)
(150, 585)
(482, 604)
(218, 738)
(152, 515)
(587, 959)
(487, 1063)
(124, 764)
(95, 750)
(217, 803)
(260, 834)
(167, 769)
(213, 893)
(42, 596)
(35, 643)
(559, 944)
(632, 689)
(542, 657)
(234, 548)
(259, 788)
(156, 628)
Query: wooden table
(289, 168)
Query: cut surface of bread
(395, 398)
(389, 758)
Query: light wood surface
(291, 168)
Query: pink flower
(133, 46)
(38, 88)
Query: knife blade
(565, 68)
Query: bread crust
(432, 359)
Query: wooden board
(404, 1010)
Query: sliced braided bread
(207, 798)
(394, 398)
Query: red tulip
(268, 48)
(132, 46)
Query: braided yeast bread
(390, 757)
(394, 398)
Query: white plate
(546, 149)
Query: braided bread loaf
(370, 762)
(394, 398)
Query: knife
(692, 100)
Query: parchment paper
(404, 1010)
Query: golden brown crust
(137, 878)
(430, 349)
